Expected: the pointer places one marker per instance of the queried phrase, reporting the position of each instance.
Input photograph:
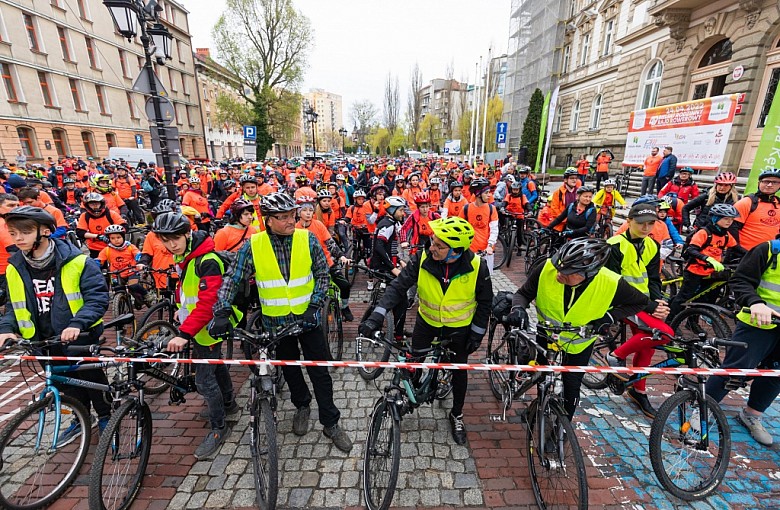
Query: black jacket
(747, 277)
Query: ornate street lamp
(312, 116)
(162, 40)
(343, 133)
(125, 16)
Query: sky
(357, 43)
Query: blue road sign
(139, 141)
(250, 132)
(501, 128)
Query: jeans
(314, 348)
(648, 184)
(213, 383)
(661, 182)
(762, 344)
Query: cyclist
(416, 229)
(127, 190)
(232, 236)
(603, 160)
(683, 185)
(575, 287)
(400, 186)
(201, 273)
(724, 192)
(529, 185)
(453, 204)
(195, 198)
(455, 294)
(120, 255)
(435, 192)
(94, 220)
(54, 290)
(758, 219)
(103, 186)
(8, 202)
(329, 216)
(31, 196)
(673, 236)
(154, 253)
(384, 251)
(566, 194)
(358, 216)
(70, 195)
(248, 191)
(579, 217)
(608, 198)
(292, 281)
(583, 169)
(483, 216)
(675, 210)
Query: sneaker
(756, 428)
(229, 410)
(73, 431)
(339, 437)
(614, 361)
(212, 442)
(347, 314)
(458, 429)
(370, 285)
(301, 421)
(641, 400)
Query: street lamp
(128, 15)
(343, 133)
(311, 116)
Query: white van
(132, 155)
(415, 154)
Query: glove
(601, 326)
(717, 266)
(473, 343)
(102, 238)
(567, 232)
(518, 316)
(370, 325)
(310, 317)
(220, 327)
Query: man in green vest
(200, 271)
(756, 286)
(575, 287)
(455, 294)
(292, 280)
(45, 281)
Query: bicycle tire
(161, 311)
(694, 320)
(18, 453)
(336, 331)
(158, 331)
(108, 472)
(382, 444)
(370, 352)
(263, 445)
(500, 252)
(531, 251)
(598, 358)
(512, 247)
(443, 384)
(497, 353)
(718, 432)
(122, 304)
(579, 492)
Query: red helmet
(423, 197)
(726, 178)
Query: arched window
(595, 112)
(111, 140)
(719, 52)
(557, 121)
(89, 143)
(27, 141)
(575, 116)
(60, 138)
(651, 84)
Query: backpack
(588, 211)
(705, 244)
(106, 214)
(146, 186)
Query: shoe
(212, 442)
(102, 423)
(641, 400)
(340, 438)
(73, 431)
(410, 304)
(347, 314)
(756, 428)
(458, 429)
(370, 285)
(614, 361)
(229, 410)
(301, 421)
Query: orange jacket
(161, 258)
(119, 259)
(232, 238)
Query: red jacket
(685, 192)
(210, 281)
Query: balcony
(657, 6)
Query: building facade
(68, 77)
(446, 99)
(330, 119)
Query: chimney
(203, 52)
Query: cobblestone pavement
(491, 472)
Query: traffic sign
(172, 133)
(501, 129)
(250, 133)
(166, 110)
(139, 141)
(143, 85)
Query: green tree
(429, 134)
(533, 121)
(379, 139)
(494, 112)
(398, 141)
(464, 131)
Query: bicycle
(541, 244)
(122, 302)
(622, 180)
(604, 226)
(262, 406)
(690, 438)
(358, 253)
(165, 308)
(371, 351)
(333, 324)
(407, 391)
(505, 349)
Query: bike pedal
(497, 418)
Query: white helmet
(392, 204)
(359, 193)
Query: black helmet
(29, 212)
(719, 211)
(238, 207)
(569, 172)
(586, 189)
(248, 178)
(171, 223)
(275, 203)
(165, 205)
(478, 185)
(584, 256)
(769, 172)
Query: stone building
(330, 119)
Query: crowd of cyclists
(278, 232)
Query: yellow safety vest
(189, 298)
(634, 269)
(456, 308)
(592, 304)
(70, 279)
(768, 290)
(278, 297)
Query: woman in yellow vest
(455, 294)
(200, 275)
(575, 287)
(45, 281)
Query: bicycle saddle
(118, 322)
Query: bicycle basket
(502, 304)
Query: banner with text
(768, 152)
(698, 131)
(452, 147)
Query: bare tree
(449, 76)
(363, 115)
(414, 101)
(392, 103)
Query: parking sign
(250, 133)
(501, 128)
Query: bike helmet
(454, 231)
(390, 168)
(468, 174)
(301, 179)
(664, 206)
(195, 181)
(324, 193)
(238, 207)
(769, 172)
(228, 183)
(646, 199)
(275, 203)
(305, 200)
(669, 198)
(248, 178)
(103, 188)
(686, 169)
(115, 229)
(516, 185)
(359, 193)
(569, 172)
(435, 180)
(423, 197)
(400, 178)
(171, 223)
(524, 169)
(68, 180)
(726, 178)
(609, 182)
(479, 185)
(509, 178)
(719, 211)
(392, 204)
(581, 256)
(29, 212)
(91, 198)
(455, 184)
(586, 189)
(374, 180)
(377, 188)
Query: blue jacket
(93, 288)
(676, 237)
(668, 166)
(530, 195)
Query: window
(123, 63)
(585, 49)
(595, 112)
(172, 80)
(189, 116)
(43, 81)
(194, 147)
(774, 79)
(82, 6)
(205, 94)
(32, 32)
(719, 52)
(131, 106)
(566, 58)
(575, 116)
(718, 85)
(651, 85)
(110, 140)
(609, 31)
(60, 142)
(27, 141)
(179, 118)
(181, 49)
(64, 44)
(3, 33)
(75, 92)
(93, 63)
(10, 84)
(184, 86)
(557, 120)
(700, 91)
(102, 100)
(89, 143)
(141, 62)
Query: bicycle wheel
(558, 473)
(497, 353)
(381, 457)
(531, 251)
(680, 461)
(443, 384)
(159, 332)
(598, 358)
(692, 321)
(122, 304)
(512, 247)
(335, 330)
(161, 311)
(121, 457)
(367, 351)
(265, 460)
(33, 471)
(500, 252)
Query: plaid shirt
(244, 268)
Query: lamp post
(343, 133)
(311, 116)
(156, 41)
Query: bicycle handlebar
(382, 275)
(268, 338)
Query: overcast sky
(356, 43)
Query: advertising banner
(550, 119)
(768, 152)
(542, 132)
(698, 131)
(452, 147)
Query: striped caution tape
(741, 372)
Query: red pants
(642, 344)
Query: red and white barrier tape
(743, 372)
